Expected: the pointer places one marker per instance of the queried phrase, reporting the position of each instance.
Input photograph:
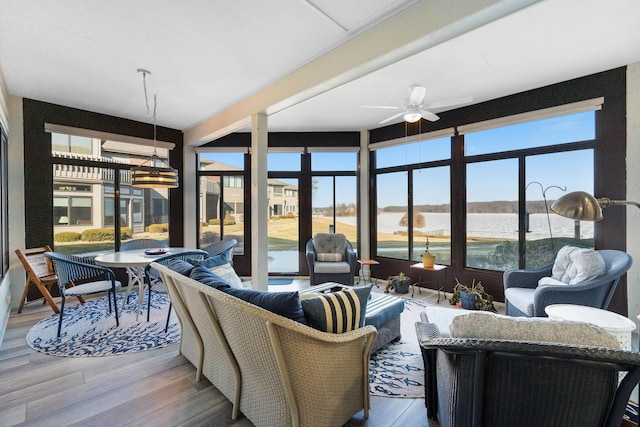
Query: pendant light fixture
(155, 172)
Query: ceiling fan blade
(450, 102)
(388, 107)
(388, 119)
(429, 115)
(417, 95)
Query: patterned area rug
(397, 369)
(89, 330)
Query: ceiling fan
(413, 108)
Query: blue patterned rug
(397, 369)
(89, 330)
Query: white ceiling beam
(420, 27)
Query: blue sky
(486, 181)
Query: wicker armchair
(489, 382)
(523, 296)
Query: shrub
(158, 228)
(98, 234)
(126, 233)
(67, 236)
(214, 222)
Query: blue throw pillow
(207, 277)
(180, 266)
(285, 304)
(337, 312)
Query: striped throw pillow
(337, 312)
(329, 256)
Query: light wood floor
(150, 388)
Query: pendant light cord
(155, 105)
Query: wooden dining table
(136, 259)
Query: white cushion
(228, 274)
(487, 325)
(550, 281)
(520, 298)
(90, 288)
(574, 265)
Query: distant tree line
(498, 206)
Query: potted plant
(428, 259)
(472, 297)
(399, 283)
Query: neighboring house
(283, 197)
(84, 197)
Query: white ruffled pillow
(574, 265)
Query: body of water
(485, 225)
(501, 226)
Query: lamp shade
(578, 205)
(154, 177)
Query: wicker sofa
(276, 371)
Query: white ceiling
(208, 57)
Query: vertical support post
(259, 202)
(364, 228)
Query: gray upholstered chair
(505, 382)
(331, 258)
(524, 297)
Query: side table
(437, 269)
(371, 263)
(617, 325)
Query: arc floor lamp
(582, 206)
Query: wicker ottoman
(383, 312)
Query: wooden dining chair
(39, 273)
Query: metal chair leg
(61, 313)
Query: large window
(4, 204)
(93, 196)
(432, 213)
(502, 235)
(334, 194)
(222, 193)
(413, 200)
(512, 174)
(392, 214)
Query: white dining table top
(133, 257)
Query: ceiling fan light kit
(413, 108)
(412, 116)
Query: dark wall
(38, 176)
(609, 162)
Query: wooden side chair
(39, 273)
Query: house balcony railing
(88, 173)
